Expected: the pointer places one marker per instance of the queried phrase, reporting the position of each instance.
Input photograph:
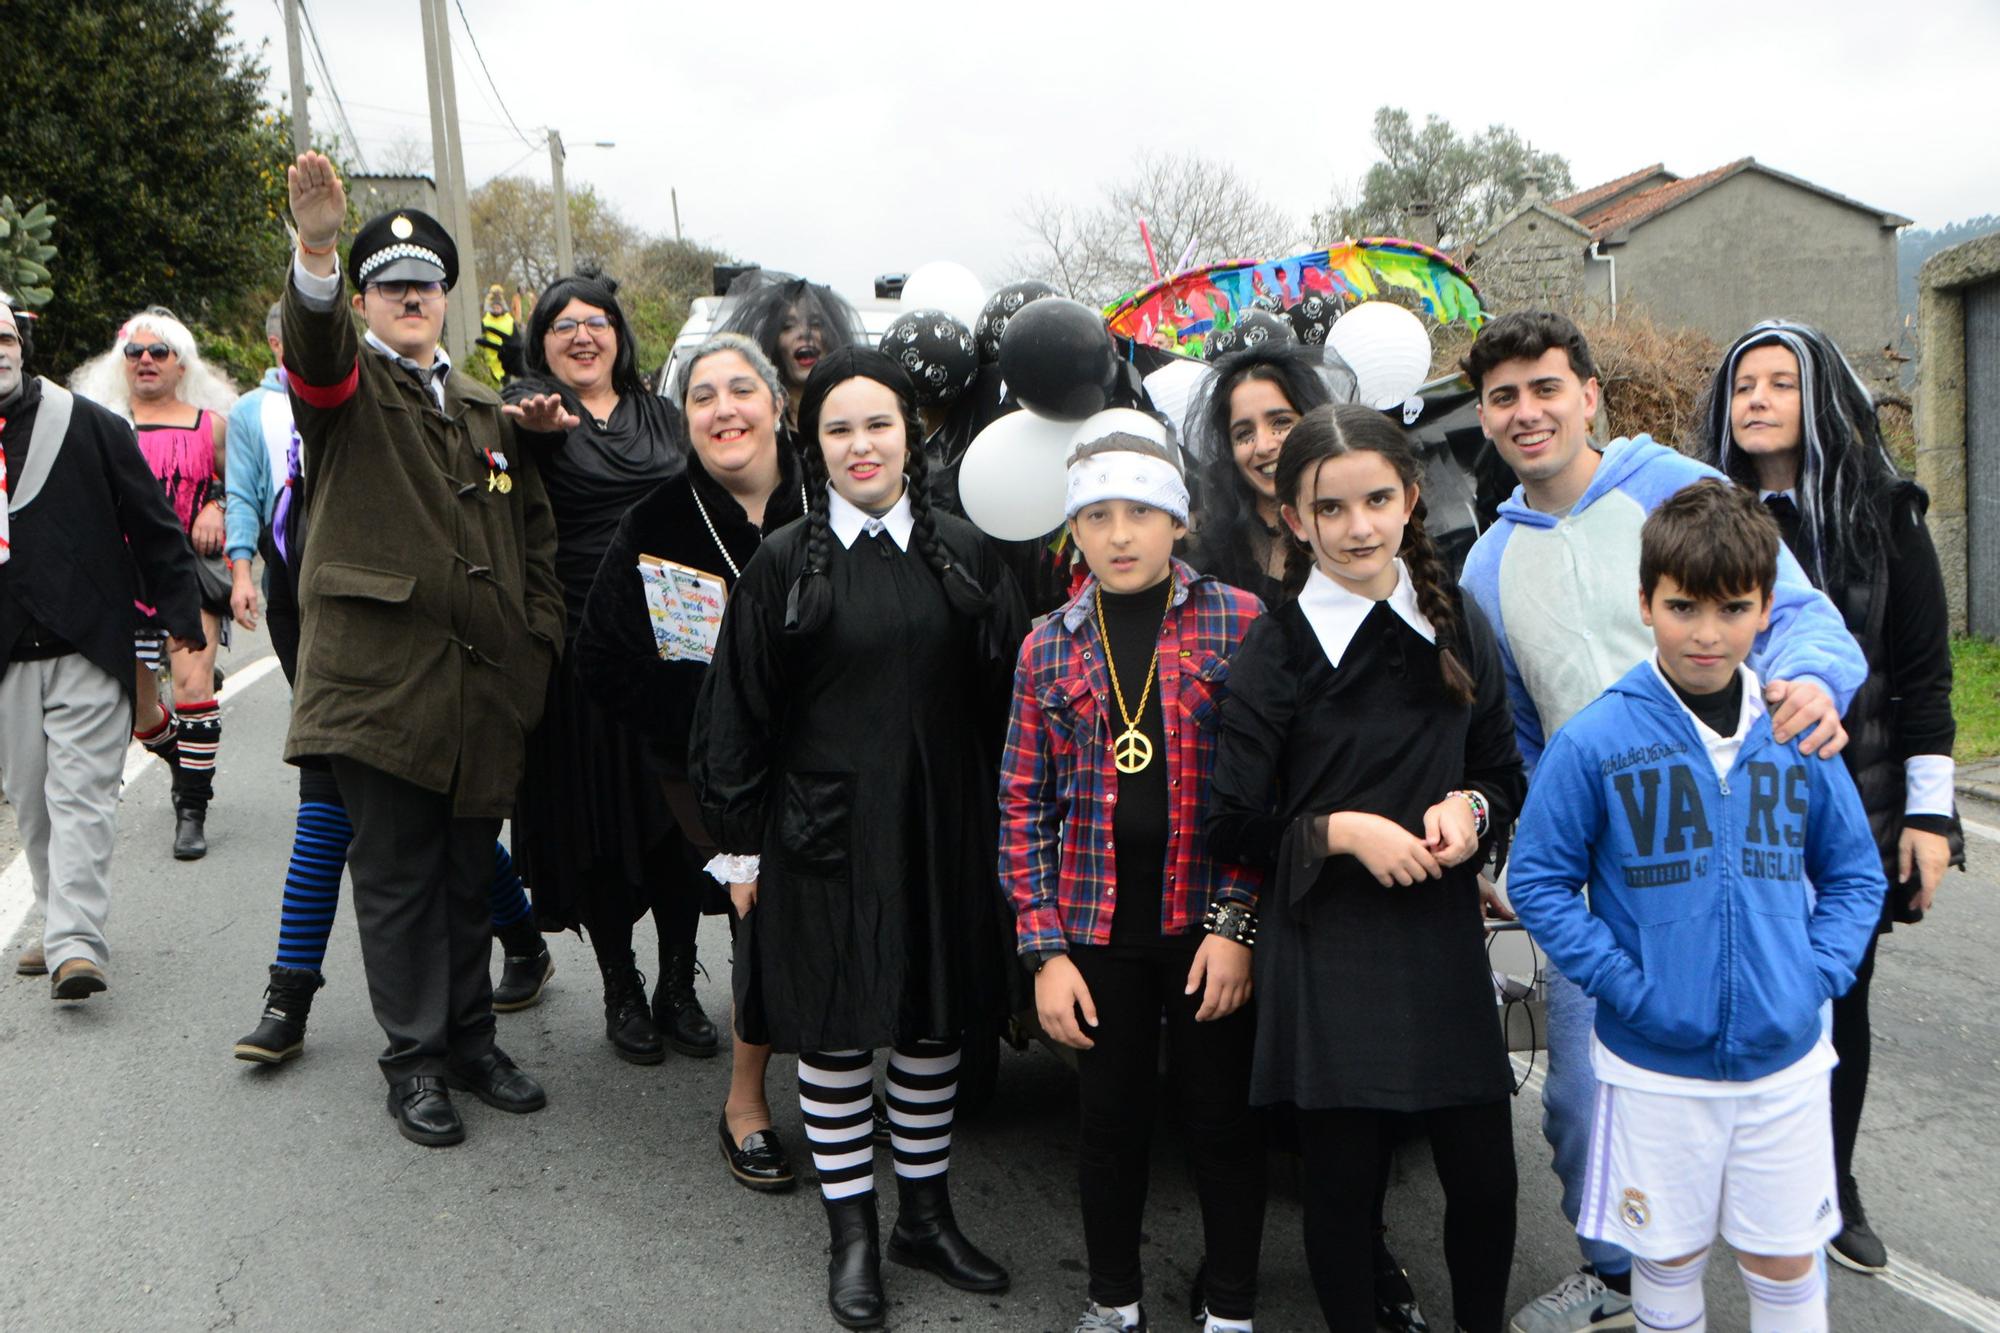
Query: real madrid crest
(401, 227)
(1633, 1208)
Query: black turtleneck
(1139, 824)
(1720, 711)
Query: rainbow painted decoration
(1179, 314)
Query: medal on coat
(497, 476)
(1131, 751)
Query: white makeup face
(10, 353)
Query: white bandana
(1121, 475)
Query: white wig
(102, 378)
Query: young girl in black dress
(1367, 756)
(845, 755)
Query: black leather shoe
(280, 1035)
(424, 1113)
(1396, 1305)
(759, 1162)
(190, 835)
(628, 1019)
(522, 977)
(498, 1082)
(854, 1266)
(927, 1237)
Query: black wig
(760, 301)
(1844, 468)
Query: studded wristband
(1232, 921)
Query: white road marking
(1986, 831)
(17, 887)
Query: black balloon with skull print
(937, 351)
(1002, 306)
(1254, 328)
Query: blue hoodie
(1722, 912)
(252, 460)
(1563, 597)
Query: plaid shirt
(1058, 785)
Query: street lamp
(565, 254)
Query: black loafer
(498, 1082)
(759, 1162)
(1396, 1305)
(424, 1113)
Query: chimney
(1420, 222)
(1531, 187)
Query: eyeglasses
(565, 327)
(158, 351)
(403, 291)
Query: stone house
(1715, 252)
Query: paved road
(156, 1183)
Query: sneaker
(1106, 1319)
(1579, 1302)
(1857, 1246)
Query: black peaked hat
(407, 245)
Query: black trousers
(420, 879)
(1473, 1147)
(1116, 1078)
(1855, 1045)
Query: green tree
(142, 123)
(26, 251)
(1468, 183)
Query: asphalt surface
(157, 1183)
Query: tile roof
(1649, 203)
(1583, 199)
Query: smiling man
(1557, 575)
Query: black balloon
(938, 352)
(1253, 328)
(1312, 317)
(1002, 306)
(1056, 358)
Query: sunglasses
(158, 351)
(565, 327)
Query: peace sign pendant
(1131, 751)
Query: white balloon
(1387, 349)
(1172, 387)
(1130, 420)
(943, 285)
(1014, 478)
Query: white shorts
(1665, 1170)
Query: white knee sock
(1797, 1306)
(1669, 1299)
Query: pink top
(183, 459)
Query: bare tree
(1195, 207)
(513, 228)
(404, 157)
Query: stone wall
(1941, 403)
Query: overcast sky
(842, 140)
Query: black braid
(960, 587)
(1298, 563)
(1435, 599)
(810, 604)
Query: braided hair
(810, 603)
(1335, 431)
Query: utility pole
(462, 313)
(295, 57)
(565, 254)
(675, 195)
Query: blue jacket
(248, 465)
(1703, 940)
(1562, 595)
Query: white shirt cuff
(1928, 784)
(317, 292)
(727, 869)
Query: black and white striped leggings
(836, 1092)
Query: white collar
(1336, 613)
(849, 520)
(1790, 493)
(432, 377)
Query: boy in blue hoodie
(1733, 890)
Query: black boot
(280, 1035)
(1857, 1246)
(1396, 1305)
(190, 830)
(854, 1271)
(676, 1012)
(525, 968)
(927, 1236)
(628, 1023)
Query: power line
(319, 58)
(481, 57)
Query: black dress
(1367, 997)
(861, 764)
(590, 827)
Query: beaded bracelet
(1479, 811)
(1232, 921)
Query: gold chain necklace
(1131, 751)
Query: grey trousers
(64, 725)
